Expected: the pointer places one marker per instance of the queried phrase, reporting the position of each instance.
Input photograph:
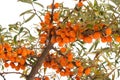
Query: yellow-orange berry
(117, 39)
(80, 4)
(96, 35)
(87, 71)
(87, 39)
(108, 31)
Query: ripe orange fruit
(70, 57)
(96, 35)
(76, 27)
(80, 4)
(87, 71)
(56, 5)
(66, 40)
(103, 39)
(87, 39)
(46, 78)
(72, 39)
(96, 27)
(63, 49)
(78, 63)
(70, 65)
(79, 74)
(108, 31)
(72, 34)
(80, 36)
(109, 39)
(80, 69)
(117, 39)
(6, 64)
(77, 78)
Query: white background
(9, 13)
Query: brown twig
(52, 11)
(39, 62)
(2, 74)
(36, 13)
(75, 8)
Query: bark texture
(38, 64)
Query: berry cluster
(17, 58)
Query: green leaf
(96, 44)
(91, 47)
(15, 39)
(26, 1)
(118, 70)
(13, 26)
(39, 4)
(29, 18)
(25, 12)
(21, 29)
(95, 3)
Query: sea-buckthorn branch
(75, 9)
(52, 12)
(59, 52)
(36, 12)
(2, 74)
(39, 62)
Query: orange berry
(66, 40)
(12, 59)
(22, 61)
(6, 64)
(58, 32)
(72, 39)
(70, 57)
(7, 47)
(96, 28)
(79, 74)
(87, 71)
(96, 35)
(36, 78)
(61, 44)
(56, 5)
(53, 40)
(62, 61)
(63, 49)
(12, 64)
(87, 39)
(80, 69)
(22, 67)
(76, 27)
(43, 39)
(9, 54)
(108, 31)
(17, 68)
(46, 78)
(103, 39)
(56, 16)
(62, 35)
(117, 39)
(69, 24)
(109, 39)
(78, 63)
(58, 39)
(80, 36)
(70, 65)
(80, 4)
(72, 34)
(77, 78)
